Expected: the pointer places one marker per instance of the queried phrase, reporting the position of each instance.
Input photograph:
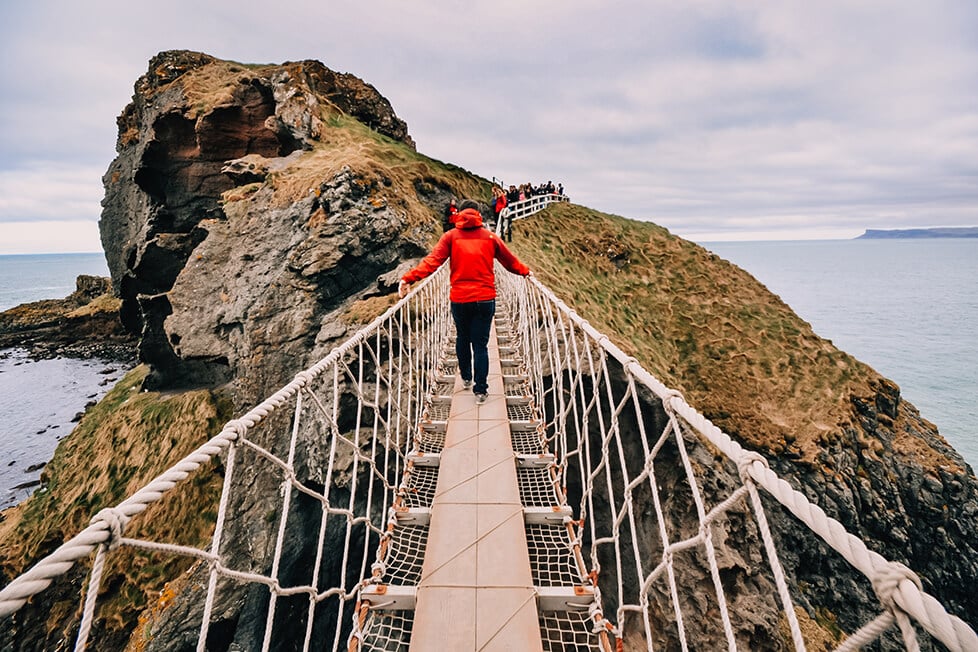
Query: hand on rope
(402, 289)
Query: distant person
(560, 189)
(498, 202)
(450, 212)
(498, 205)
(471, 249)
(512, 196)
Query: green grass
(698, 323)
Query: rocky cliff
(255, 215)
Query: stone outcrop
(85, 324)
(197, 128)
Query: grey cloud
(706, 116)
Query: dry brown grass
(698, 323)
(391, 169)
(121, 444)
(102, 303)
(366, 310)
(214, 84)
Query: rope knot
(886, 582)
(671, 394)
(377, 570)
(115, 522)
(747, 458)
(303, 378)
(238, 427)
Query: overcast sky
(718, 120)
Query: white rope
(387, 368)
(379, 368)
(579, 413)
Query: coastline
(58, 357)
(42, 399)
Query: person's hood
(468, 218)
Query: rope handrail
(569, 344)
(526, 207)
(610, 423)
(412, 331)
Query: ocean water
(907, 308)
(39, 403)
(32, 277)
(40, 399)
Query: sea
(40, 401)
(907, 308)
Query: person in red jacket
(472, 249)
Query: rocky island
(256, 215)
(85, 324)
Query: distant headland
(939, 232)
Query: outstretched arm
(427, 266)
(509, 259)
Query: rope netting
(660, 491)
(386, 368)
(659, 494)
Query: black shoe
(466, 384)
(480, 398)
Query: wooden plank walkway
(476, 590)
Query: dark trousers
(472, 324)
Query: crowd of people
(501, 199)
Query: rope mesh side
(552, 559)
(387, 631)
(657, 486)
(568, 631)
(360, 407)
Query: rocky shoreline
(84, 325)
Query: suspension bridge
(544, 519)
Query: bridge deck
(476, 591)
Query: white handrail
(521, 209)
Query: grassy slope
(699, 324)
(120, 445)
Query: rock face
(184, 141)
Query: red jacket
(472, 250)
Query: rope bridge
(628, 495)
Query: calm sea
(33, 277)
(39, 400)
(907, 308)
